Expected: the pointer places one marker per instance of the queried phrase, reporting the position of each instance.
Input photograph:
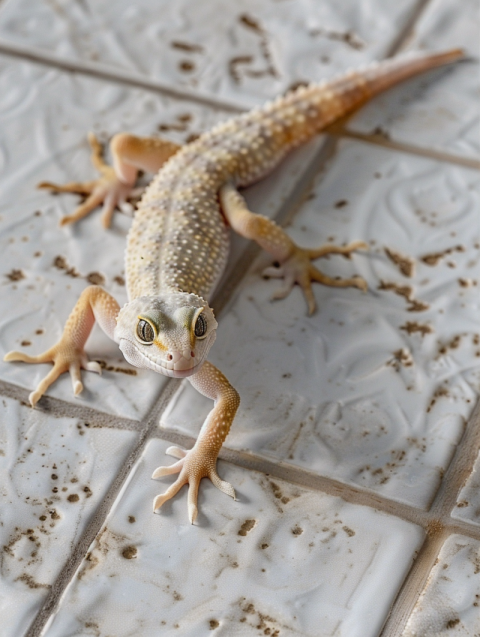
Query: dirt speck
(186, 66)
(95, 278)
(452, 622)
(341, 203)
(73, 497)
(186, 46)
(129, 552)
(350, 532)
(61, 264)
(15, 275)
(113, 368)
(297, 531)
(246, 527)
(405, 264)
(131, 519)
(411, 327)
(30, 582)
(435, 257)
(25, 343)
(213, 623)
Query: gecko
(177, 247)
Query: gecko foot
(107, 190)
(297, 268)
(64, 358)
(193, 465)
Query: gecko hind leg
(295, 262)
(116, 183)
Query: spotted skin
(178, 244)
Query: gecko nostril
(192, 354)
(169, 357)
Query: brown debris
(407, 292)
(186, 46)
(405, 264)
(433, 258)
(348, 37)
(15, 275)
(411, 327)
(61, 264)
(246, 527)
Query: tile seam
(121, 76)
(413, 584)
(410, 149)
(405, 34)
(59, 408)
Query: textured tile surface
(450, 604)
(54, 473)
(468, 501)
(45, 116)
(440, 110)
(280, 558)
(250, 50)
(373, 389)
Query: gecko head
(170, 334)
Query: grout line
(58, 408)
(98, 520)
(414, 583)
(411, 149)
(460, 467)
(406, 33)
(105, 72)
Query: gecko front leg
(68, 354)
(295, 262)
(200, 461)
(116, 184)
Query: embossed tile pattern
(281, 557)
(450, 604)
(54, 473)
(249, 50)
(373, 389)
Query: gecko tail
(355, 88)
(380, 77)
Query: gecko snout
(180, 361)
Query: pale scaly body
(178, 246)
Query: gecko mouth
(139, 358)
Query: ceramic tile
(54, 473)
(281, 561)
(45, 117)
(450, 604)
(249, 49)
(440, 110)
(468, 501)
(374, 389)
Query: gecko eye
(145, 332)
(201, 326)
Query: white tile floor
(355, 453)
